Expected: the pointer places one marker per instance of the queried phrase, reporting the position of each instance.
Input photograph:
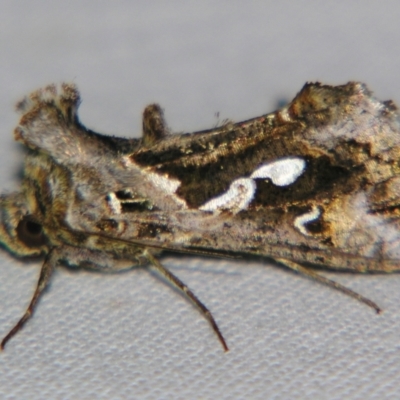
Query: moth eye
(31, 233)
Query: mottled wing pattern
(317, 182)
(211, 190)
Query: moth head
(19, 232)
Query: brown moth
(315, 184)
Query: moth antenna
(206, 252)
(328, 282)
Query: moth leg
(185, 289)
(328, 282)
(44, 279)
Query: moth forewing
(316, 183)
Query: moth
(314, 184)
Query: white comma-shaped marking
(236, 198)
(302, 220)
(282, 172)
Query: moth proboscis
(314, 184)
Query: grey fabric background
(130, 336)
